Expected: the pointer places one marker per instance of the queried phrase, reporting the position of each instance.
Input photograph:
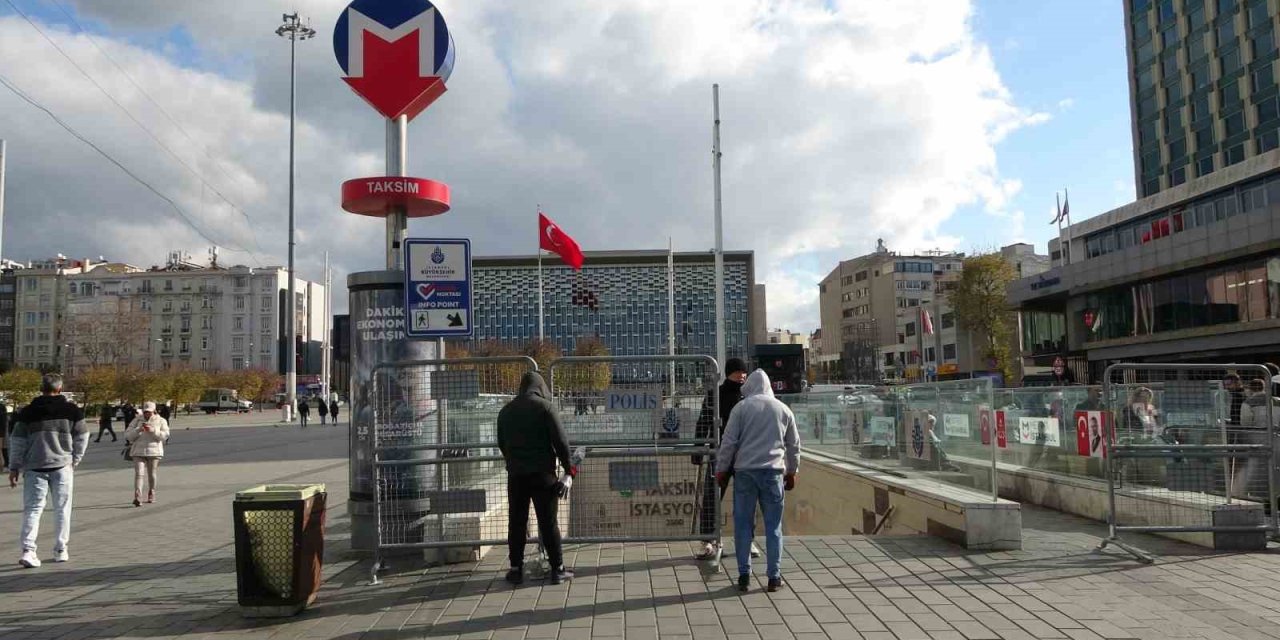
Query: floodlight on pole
(293, 30)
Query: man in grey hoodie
(49, 439)
(761, 448)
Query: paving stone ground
(166, 571)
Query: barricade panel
(1189, 447)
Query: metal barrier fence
(1189, 449)
(438, 475)
(643, 423)
(648, 424)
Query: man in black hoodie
(532, 442)
(729, 395)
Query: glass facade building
(1202, 82)
(619, 297)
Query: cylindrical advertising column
(377, 337)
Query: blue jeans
(37, 485)
(765, 487)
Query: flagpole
(1057, 218)
(1066, 213)
(671, 312)
(719, 253)
(541, 327)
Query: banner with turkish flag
(552, 238)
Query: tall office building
(1202, 86)
(620, 297)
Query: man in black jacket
(729, 395)
(532, 442)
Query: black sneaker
(776, 584)
(744, 583)
(515, 576)
(561, 575)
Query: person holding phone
(146, 437)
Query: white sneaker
(755, 551)
(61, 556)
(29, 560)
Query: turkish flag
(552, 238)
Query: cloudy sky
(929, 123)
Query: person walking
(761, 447)
(6, 426)
(324, 410)
(304, 411)
(48, 442)
(728, 396)
(146, 437)
(333, 409)
(163, 411)
(532, 441)
(129, 413)
(105, 416)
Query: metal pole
(397, 161)
(541, 326)
(719, 257)
(671, 314)
(326, 343)
(2, 162)
(291, 363)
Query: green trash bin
(279, 535)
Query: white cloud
(1066, 103)
(844, 121)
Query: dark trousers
(540, 489)
(105, 427)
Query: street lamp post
(294, 30)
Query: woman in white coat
(146, 436)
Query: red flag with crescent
(552, 238)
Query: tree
(107, 331)
(586, 376)
(981, 304)
(544, 352)
(97, 385)
(20, 386)
(500, 379)
(188, 385)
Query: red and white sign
(1091, 433)
(1002, 438)
(984, 421)
(421, 198)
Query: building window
(1178, 176)
(1204, 166)
(1262, 44)
(1229, 60)
(29, 335)
(241, 282)
(948, 352)
(1195, 19)
(1165, 12)
(1169, 37)
(44, 317)
(237, 323)
(1263, 78)
(266, 324)
(1226, 32)
(266, 303)
(30, 284)
(206, 323)
(237, 344)
(1234, 126)
(1177, 149)
(1268, 141)
(929, 354)
(239, 303)
(1268, 110)
(204, 343)
(168, 285)
(237, 362)
(1258, 14)
(948, 320)
(185, 346)
(1235, 154)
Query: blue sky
(1046, 53)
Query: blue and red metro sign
(397, 54)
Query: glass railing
(937, 433)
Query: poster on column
(1002, 434)
(955, 425)
(884, 431)
(1039, 431)
(1091, 433)
(919, 441)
